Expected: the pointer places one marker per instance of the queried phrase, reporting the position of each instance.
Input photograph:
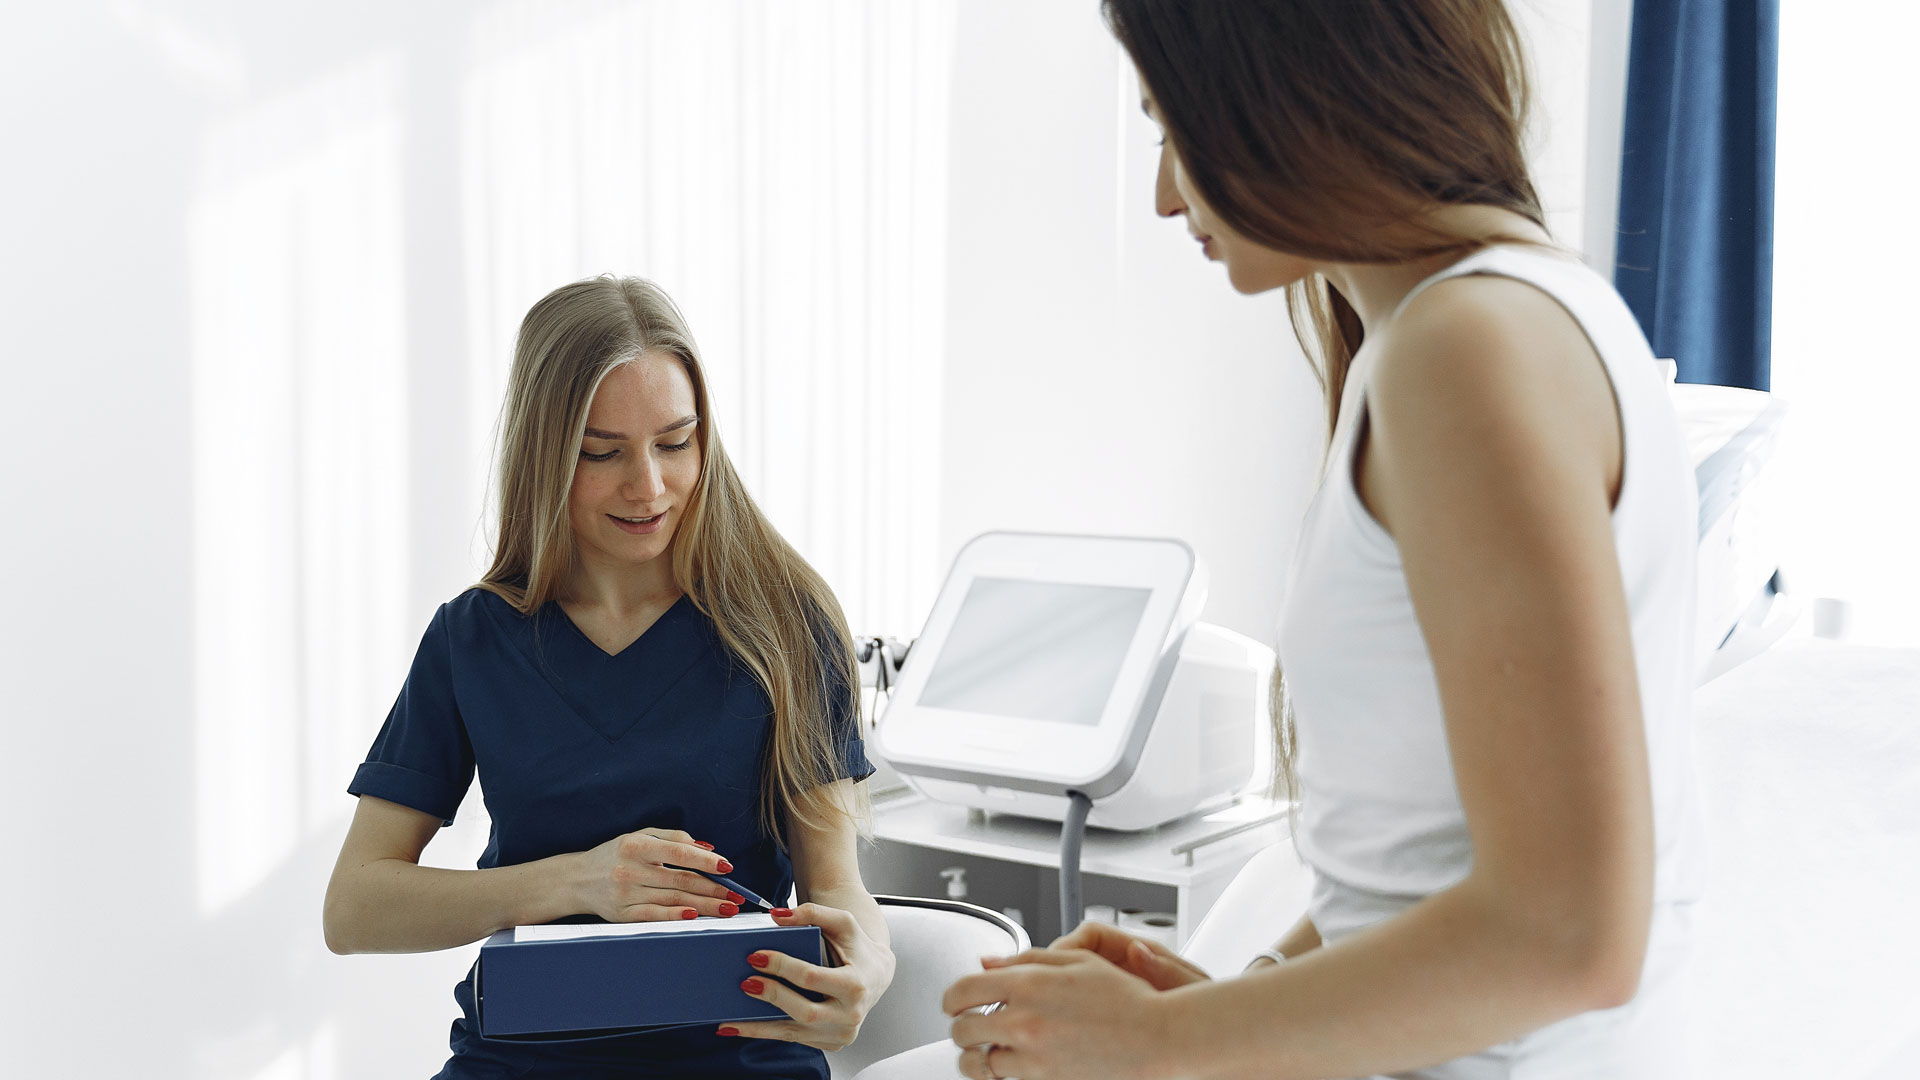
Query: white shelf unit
(1181, 867)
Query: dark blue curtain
(1694, 254)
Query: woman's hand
(1150, 961)
(848, 990)
(1063, 1014)
(632, 878)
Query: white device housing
(1170, 732)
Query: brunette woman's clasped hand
(1090, 1005)
(635, 878)
(837, 997)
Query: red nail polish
(728, 1032)
(726, 867)
(783, 912)
(709, 847)
(689, 913)
(735, 898)
(759, 959)
(729, 910)
(753, 986)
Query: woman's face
(638, 463)
(1251, 268)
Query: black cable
(875, 650)
(1072, 831)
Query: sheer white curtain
(780, 169)
(299, 442)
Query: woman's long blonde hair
(773, 612)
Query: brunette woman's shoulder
(1493, 368)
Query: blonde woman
(649, 677)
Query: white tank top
(1380, 819)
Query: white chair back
(934, 943)
(1265, 899)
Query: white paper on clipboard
(572, 931)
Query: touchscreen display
(1035, 650)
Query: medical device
(1068, 678)
(1731, 436)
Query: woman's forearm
(1304, 937)
(854, 899)
(1452, 975)
(392, 905)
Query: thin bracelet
(1267, 954)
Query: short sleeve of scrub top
(573, 747)
(843, 714)
(422, 758)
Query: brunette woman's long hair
(775, 615)
(1332, 130)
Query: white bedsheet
(1809, 949)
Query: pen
(752, 897)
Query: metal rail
(1191, 846)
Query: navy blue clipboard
(597, 987)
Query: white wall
(1101, 375)
(156, 930)
(1611, 33)
(134, 947)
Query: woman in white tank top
(1486, 638)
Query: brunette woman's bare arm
(380, 899)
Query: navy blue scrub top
(575, 747)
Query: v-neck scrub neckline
(684, 600)
(611, 692)
(574, 746)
